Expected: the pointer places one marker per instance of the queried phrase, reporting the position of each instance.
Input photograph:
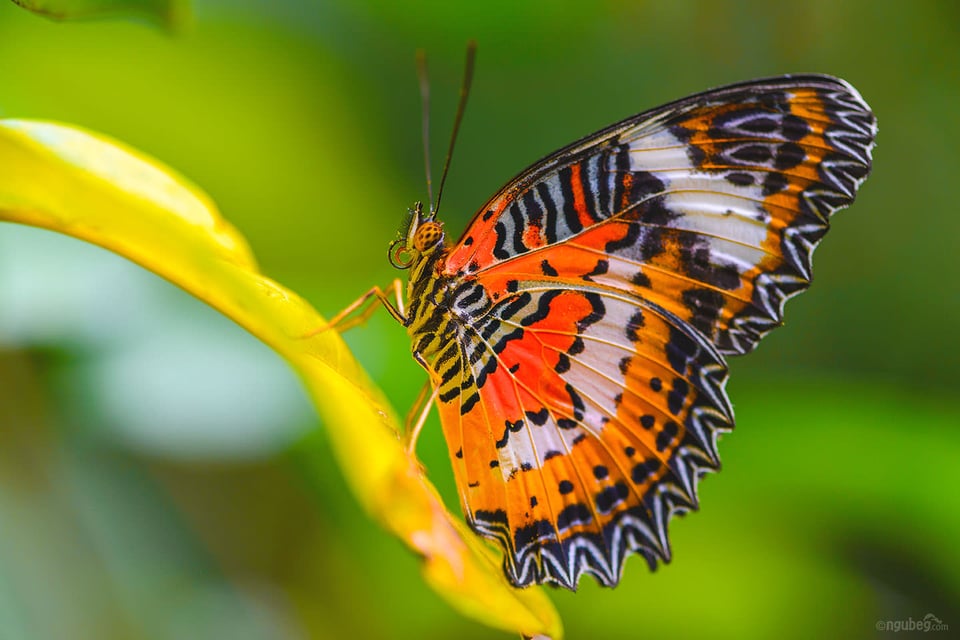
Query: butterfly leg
(417, 416)
(355, 313)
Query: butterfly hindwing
(591, 426)
(594, 298)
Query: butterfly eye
(427, 235)
(399, 255)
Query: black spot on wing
(533, 209)
(645, 185)
(550, 213)
(677, 395)
(752, 154)
(611, 496)
(576, 347)
(449, 394)
(509, 427)
(640, 279)
(499, 252)
(587, 187)
(447, 364)
(605, 179)
(471, 298)
(644, 237)
(681, 351)
(494, 517)
(570, 215)
(667, 435)
(628, 240)
(501, 344)
(542, 311)
(601, 268)
(758, 122)
(547, 269)
(642, 471)
(789, 155)
(488, 368)
(633, 325)
(519, 224)
(511, 308)
(573, 514)
(533, 533)
(538, 418)
(794, 127)
(597, 311)
(740, 179)
(469, 403)
(576, 402)
(705, 307)
(697, 259)
(774, 183)
(622, 177)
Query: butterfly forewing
(711, 205)
(593, 301)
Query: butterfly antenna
(464, 92)
(425, 112)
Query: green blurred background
(162, 474)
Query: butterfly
(576, 335)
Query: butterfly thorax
(443, 310)
(428, 291)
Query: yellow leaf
(84, 185)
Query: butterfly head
(419, 235)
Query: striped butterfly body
(577, 334)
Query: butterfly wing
(601, 290)
(713, 204)
(574, 438)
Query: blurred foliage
(837, 504)
(171, 13)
